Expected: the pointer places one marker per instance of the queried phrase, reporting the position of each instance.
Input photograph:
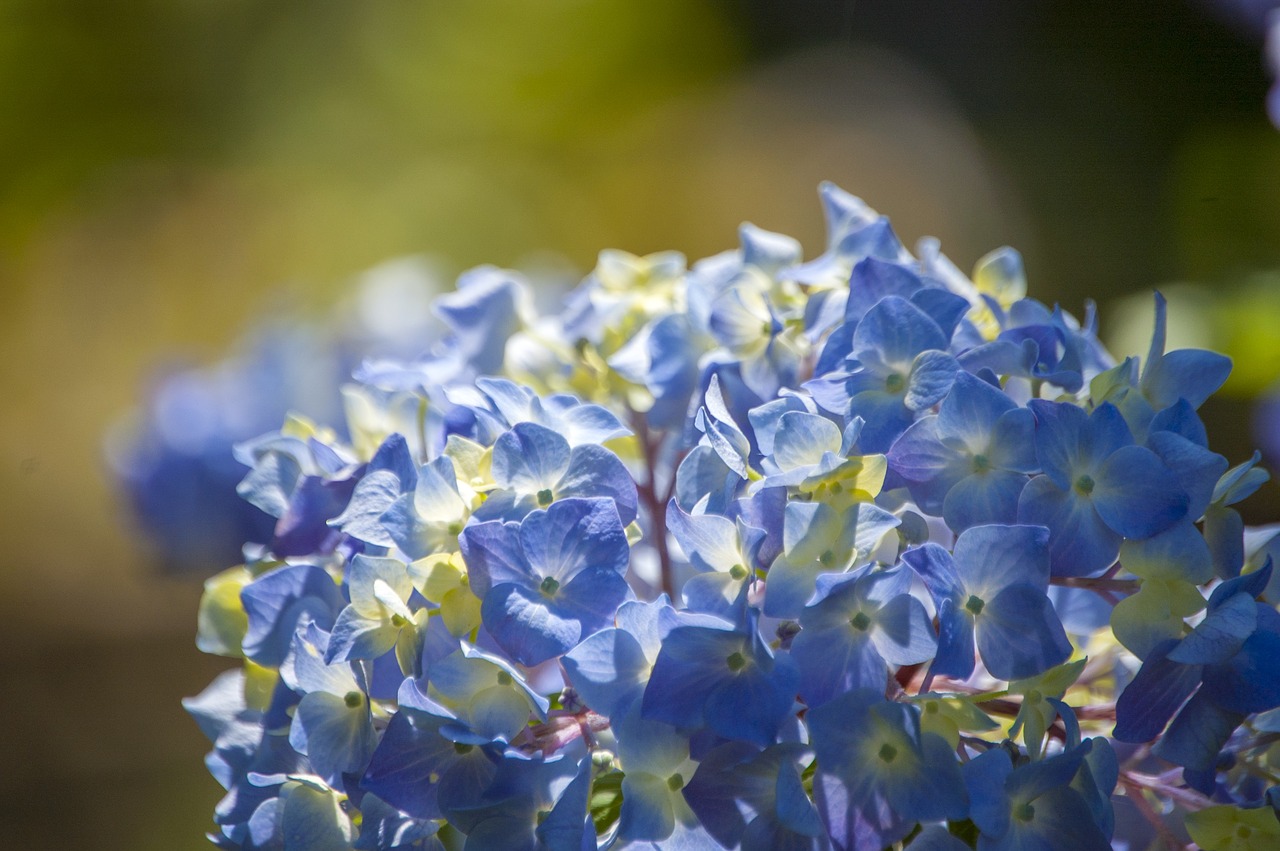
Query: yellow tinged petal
(222, 621)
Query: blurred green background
(166, 166)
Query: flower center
(353, 699)
(860, 622)
(981, 463)
(974, 605)
(737, 573)
(549, 586)
(887, 753)
(675, 782)
(1084, 485)
(895, 383)
(736, 661)
(545, 497)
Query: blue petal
(1196, 737)
(533, 628)
(894, 332)
(834, 662)
(1220, 635)
(983, 498)
(1191, 374)
(991, 558)
(873, 279)
(972, 409)
(1155, 693)
(1136, 494)
(937, 568)
(336, 737)
(752, 706)
(1080, 543)
(943, 307)
(529, 458)
(608, 670)
(358, 637)
(1019, 635)
(985, 777)
(574, 534)
(709, 541)
(566, 827)
(493, 555)
(1059, 430)
(276, 601)
(596, 472)
(703, 474)
(932, 374)
(482, 313)
(1196, 468)
(691, 664)
(1250, 681)
(955, 642)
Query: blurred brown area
(165, 166)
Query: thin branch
(656, 507)
(1099, 584)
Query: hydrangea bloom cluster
(761, 553)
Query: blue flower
(898, 367)
(713, 675)
(550, 580)
(533, 466)
(755, 799)
(860, 624)
(970, 462)
(1098, 487)
(878, 774)
(993, 590)
(1035, 805)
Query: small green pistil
(827, 558)
(888, 753)
(353, 699)
(981, 463)
(545, 496)
(455, 528)
(398, 621)
(504, 679)
(549, 586)
(837, 488)
(737, 573)
(1024, 812)
(461, 749)
(736, 661)
(675, 782)
(931, 707)
(860, 622)
(974, 605)
(895, 383)
(1084, 485)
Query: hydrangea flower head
(752, 552)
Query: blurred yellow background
(168, 169)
